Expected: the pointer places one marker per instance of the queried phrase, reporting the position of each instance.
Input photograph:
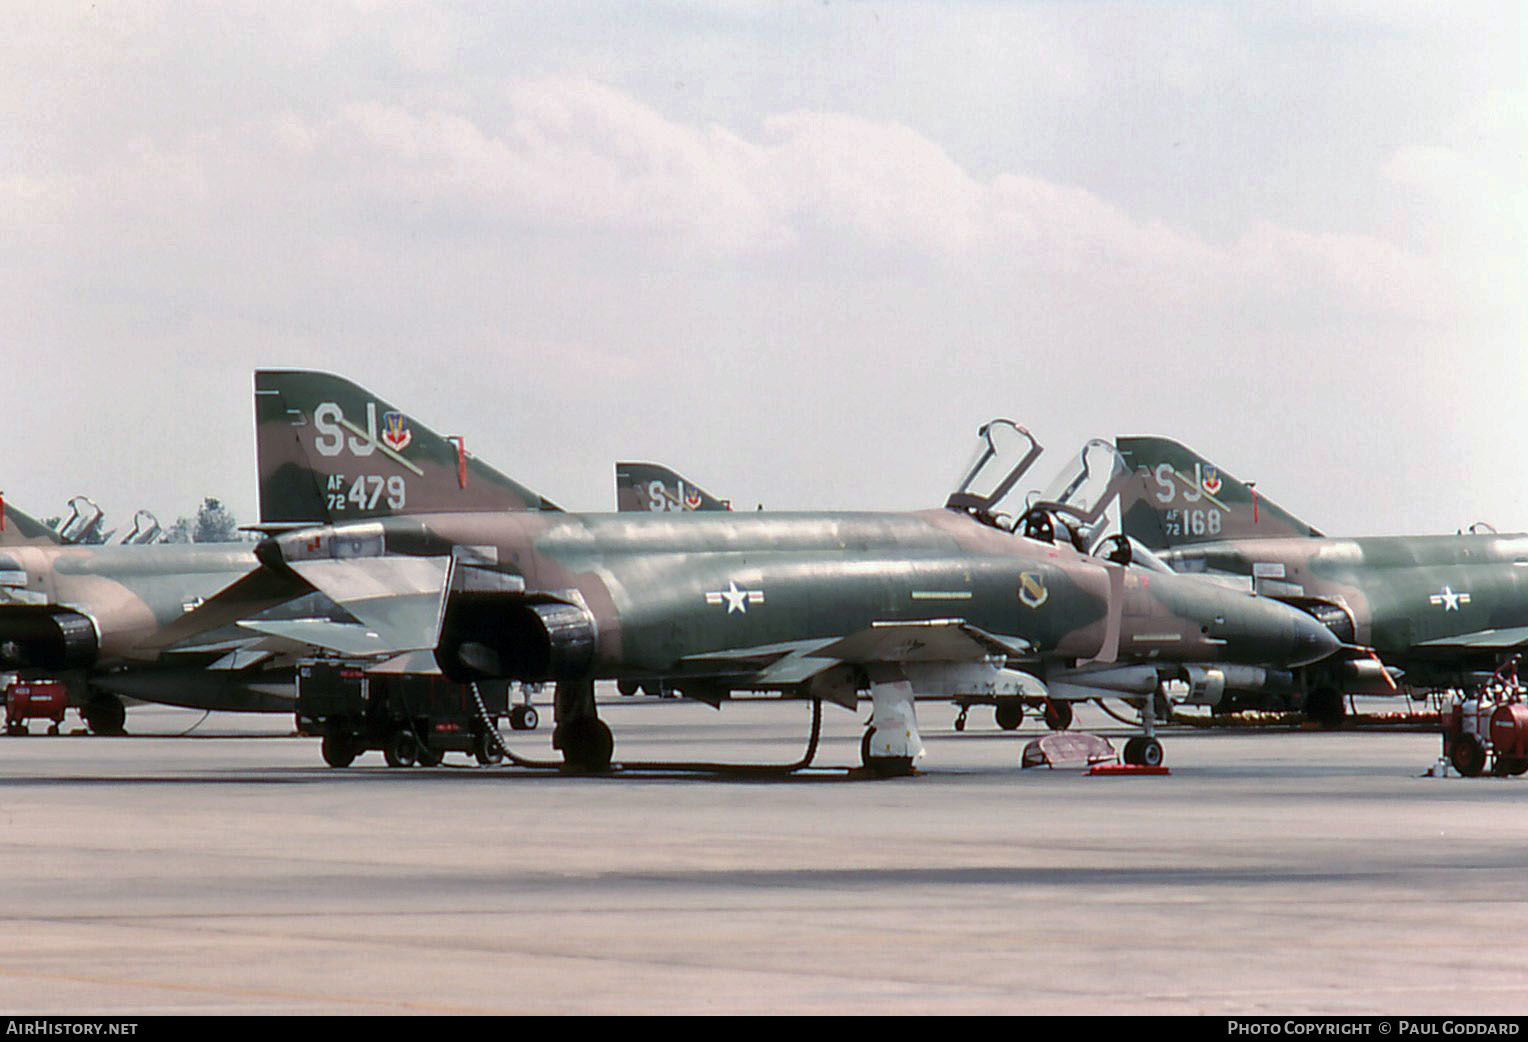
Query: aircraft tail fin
(329, 451)
(652, 486)
(21, 529)
(1178, 497)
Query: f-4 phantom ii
(94, 616)
(817, 605)
(1430, 612)
(654, 487)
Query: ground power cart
(33, 700)
(411, 718)
(1487, 730)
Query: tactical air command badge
(1032, 589)
(395, 431)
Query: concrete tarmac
(1275, 872)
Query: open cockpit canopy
(1085, 488)
(1072, 506)
(1004, 453)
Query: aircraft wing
(398, 604)
(251, 594)
(388, 604)
(1510, 638)
(934, 640)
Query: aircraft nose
(1312, 641)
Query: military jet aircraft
(819, 605)
(1082, 490)
(94, 615)
(1440, 611)
(108, 619)
(654, 487)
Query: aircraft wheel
(1058, 715)
(104, 715)
(891, 766)
(627, 687)
(523, 718)
(429, 757)
(960, 721)
(1324, 706)
(883, 766)
(1009, 713)
(586, 744)
(339, 750)
(487, 750)
(1141, 751)
(1468, 755)
(401, 749)
(1511, 766)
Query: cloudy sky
(798, 251)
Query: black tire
(1325, 707)
(1468, 755)
(627, 687)
(1511, 766)
(890, 766)
(339, 751)
(105, 715)
(487, 749)
(883, 766)
(400, 750)
(586, 744)
(1009, 713)
(1058, 715)
(1142, 751)
(523, 718)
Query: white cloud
(577, 155)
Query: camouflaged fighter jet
(654, 487)
(818, 605)
(94, 616)
(1429, 612)
(110, 619)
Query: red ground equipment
(34, 700)
(1489, 728)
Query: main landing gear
(891, 744)
(1325, 706)
(585, 740)
(104, 714)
